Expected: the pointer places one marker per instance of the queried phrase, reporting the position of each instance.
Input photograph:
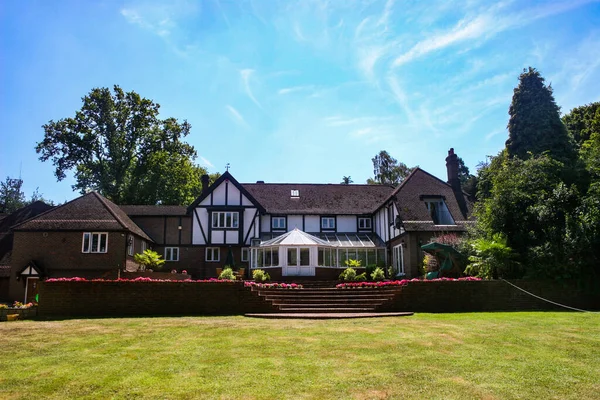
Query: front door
(31, 290)
(298, 262)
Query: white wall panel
(312, 223)
(219, 195)
(218, 237)
(233, 195)
(294, 221)
(346, 223)
(265, 221)
(233, 237)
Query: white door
(298, 262)
(398, 260)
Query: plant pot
(12, 317)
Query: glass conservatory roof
(335, 239)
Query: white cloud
(245, 74)
(206, 163)
(237, 116)
(293, 89)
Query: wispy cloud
(294, 89)
(237, 116)
(206, 163)
(245, 74)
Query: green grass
(445, 356)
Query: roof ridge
(104, 201)
(50, 210)
(322, 184)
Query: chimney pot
(204, 180)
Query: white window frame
(441, 211)
(212, 251)
(329, 219)
(144, 246)
(217, 223)
(281, 223)
(364, 220)
(90, 236)
(245, 257)
(130, 245)
(170, 253)
(398, 260)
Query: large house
(291, 230)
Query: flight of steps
(327, 299)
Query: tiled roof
(89, 212)
(23, 214)
(319, 198)
(138, 211)
(413, 211)
(4, 271)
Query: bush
(349, 274)
(149, 259)
(369, 269)
(258, 275)
(227, 274)
(378, 274)
(3, 306)
(361, 278)
(493, 258)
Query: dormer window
(438, 211)
(295, 193)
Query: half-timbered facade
(289, 229)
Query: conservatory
(298, 253)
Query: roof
(225, 177)
(23, 214)
(335, 239)
(4, 271)
(139, 211)
(320, 199)
(89, 212)
(413, 212)
(295, 237)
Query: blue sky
(294, 91)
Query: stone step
(342, 302)
(326, 310)
(328, 298)
(327, 292)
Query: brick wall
(70, 299)
(471, 296)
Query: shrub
(3, 306)
(378, 275)
(349, 274)
(352, 263)
(361, 278)
(369, 269)
(149, 259)
(258, 275)
(227, 274)
(493, 258)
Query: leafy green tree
(12, 197)
(535, 126)
(387, 170)
(346, 180)
(492, 258)
(149, 259)
(582, 122)
(116, 144)
(468, 182)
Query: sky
(293, 91)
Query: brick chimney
(452, 168)
(204, 180)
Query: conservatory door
(398, 260)
(298, 262)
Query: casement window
(171, 253)
(94, 242)
(278, 222)
(439, 213)
(245, 254)
(130, 245)
(144, 246)
(225, 219)
(212, 254)
(327, 222)
(364, 223)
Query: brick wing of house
(291, 230)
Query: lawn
(444, 356)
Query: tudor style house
(291, 230)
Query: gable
(226, 191)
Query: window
(171, 253)
(398, 260)
(245, 254)
(94, 242)
(292, 257)
(144, 246)
(294, 193)
(364, 223)
(278, 222)
(304, 256)
(327, 222)
(213, 254)
(130, 245)
(440, 215)
(269, 257)
(225, 219)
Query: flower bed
(23, 311)
(138, 279)
(273, 285)
(403, 282)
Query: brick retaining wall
(471, 296)
(70, 299)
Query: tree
(535, 126)
(387, 170)
(346, 180)
(582, 122)
(149, 259)
(116, 144)
(467, 181)
(11, 196)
